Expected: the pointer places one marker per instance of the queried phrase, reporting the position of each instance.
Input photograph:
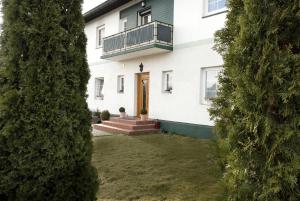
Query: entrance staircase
(128, 126)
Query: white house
(157, 55)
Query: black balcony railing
(152, 33)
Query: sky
(89, 4)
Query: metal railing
(153, 33)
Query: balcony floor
(138, 52)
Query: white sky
(89, 4)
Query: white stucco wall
(193, 41)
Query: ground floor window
(209, 84)
(99, 84)
(120, 84)
(167, 81)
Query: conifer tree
(257, 112)
(45, 139)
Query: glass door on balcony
(123, 24)
(142, 92)
(145, 17)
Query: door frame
(139, 77)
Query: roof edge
(103, 8)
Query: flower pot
(144, 117)
(122, 115)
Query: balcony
(153, 38)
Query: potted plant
(122, 112)
(105, 115)
(144, 114)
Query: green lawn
(156, 167)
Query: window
(167, 81)
(99, 84)
(210, 84)
(145, 17)
(100, 36)
(123, 24)
(121, 84)
(215, 6)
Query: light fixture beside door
(141, 67)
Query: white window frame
(144, 13)
(98, 38)
(101, 94)
(165, 88)
(207, 13)
(204, 83)
(122, 24)
(121, 89)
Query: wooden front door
(142, 92)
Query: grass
(156, 167)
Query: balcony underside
(147, 50)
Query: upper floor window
(121, 84)
(167, 81)
(215, 6)
(99, 84)
(210, 84)
(100, 36)
(145, 17)
(123, 24)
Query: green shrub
(122, 109)
(144, 111)
(257, 111)
(97, 113)
(45, 138)
(105, 115)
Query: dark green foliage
(45, 139)
(122, 109)
(144, 111)
(97, 113)
(105, 115)
(257, 111)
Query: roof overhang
(103, 8)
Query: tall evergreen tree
(257, 112)
(45, 139)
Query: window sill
(99, 99)
(205, 104)
(213, 14)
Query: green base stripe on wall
(191, 130)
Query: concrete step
(111, 129)
(129, 126)
(132, 121)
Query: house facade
(157, 55)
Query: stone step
(129, 126)
(132, 121)
(111, 129)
